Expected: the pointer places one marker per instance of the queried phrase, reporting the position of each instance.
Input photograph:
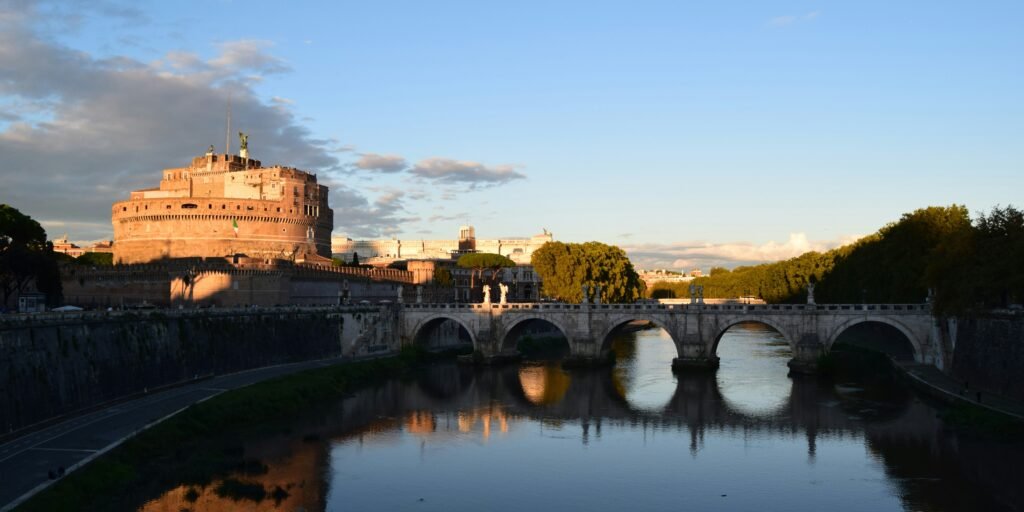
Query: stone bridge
(696, 329)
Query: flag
(234, 225)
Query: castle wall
(221, 283)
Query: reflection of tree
(940, 468)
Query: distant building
(225, 205)
(383, 252)
(62, 245)
(522, 281)
(650, 277)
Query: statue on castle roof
(243, 148)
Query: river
(634, 437)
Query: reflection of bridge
(695, 329)
(592, 398)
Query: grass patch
(206, 441)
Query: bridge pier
(694, 356)
(805, 355)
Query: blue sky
(689, 133)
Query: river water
(635, 437)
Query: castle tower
(224, 205)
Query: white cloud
(688, 255)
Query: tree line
(969, 266)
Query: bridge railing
(916, 309)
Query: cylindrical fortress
(224, 205)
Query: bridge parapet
(694, 328)
(911, 309)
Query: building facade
(225, 205)
(518, 250)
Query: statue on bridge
(585, 297)
(597, 294)
(400, 298)
(810, 292)
(693, 293)
(487, 293)
(419, 295)
(504, 293)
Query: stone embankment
(53, 365)
(988, 353)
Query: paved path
(953, 389)
(25, 461)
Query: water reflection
(752, 372)
(745, 438)
(642, 363)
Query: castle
(225, 205)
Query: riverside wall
(988, 353)
(53, 365)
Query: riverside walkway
(25, 461)
(951, 390)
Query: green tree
(977, 267)
(96, 259)
(717, 271)
(26, 257)
(565, 267)
(442, 276)
(479, 262)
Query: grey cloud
(381, 163)
(104, 127)
(356, 217)
(446, 170)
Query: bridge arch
(508, 341)
(427, 326)
(913, 340)
(605, 338)
(755, 320)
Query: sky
(691, 134)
